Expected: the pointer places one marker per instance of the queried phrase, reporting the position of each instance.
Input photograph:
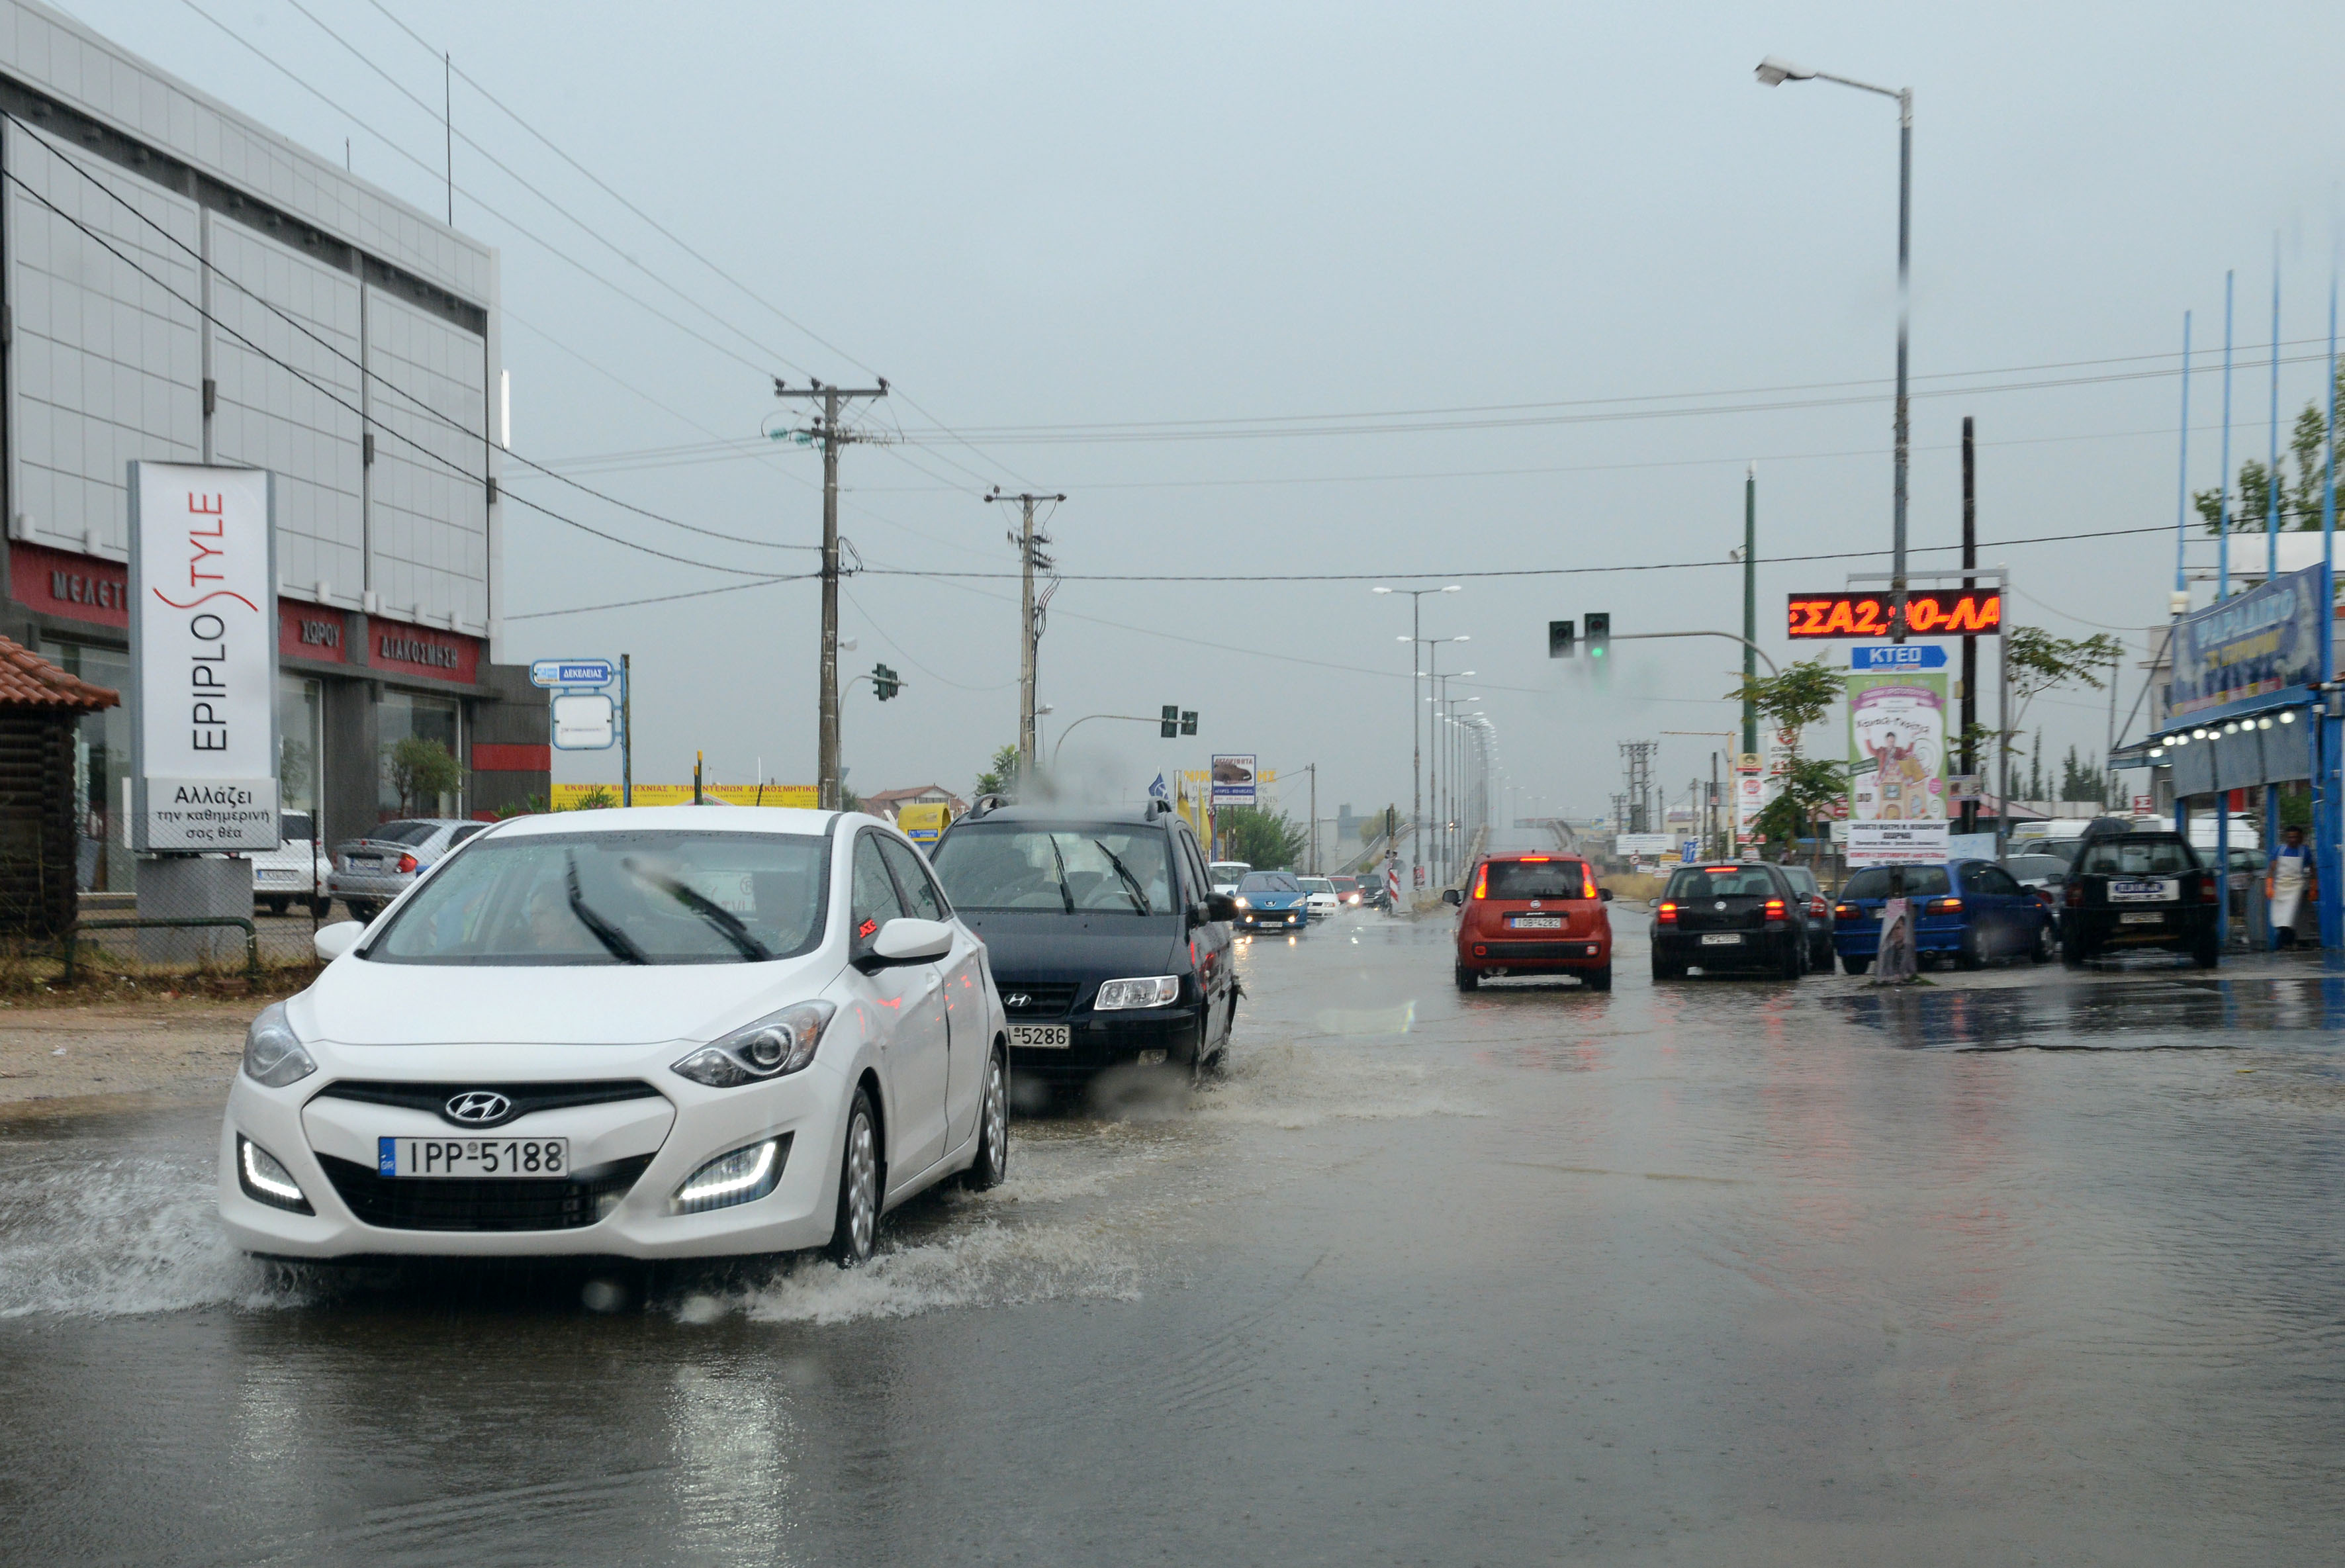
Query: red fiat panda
(1533, 914)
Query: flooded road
(2013, 1268)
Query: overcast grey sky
(1035, 216)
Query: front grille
(525, 1097)
(489, 1203)
(1047, 1001)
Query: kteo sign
(203, 658)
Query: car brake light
(1718, 870)
(1482, 881)
(1537, 860)
(406, 863)
(2076, 896)
(1945, 906)
(1775, 910)
(1587, 883)
(1667, 914)
(1847, 911)
(2207, 895)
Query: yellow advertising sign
(581, 796)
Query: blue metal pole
(2271, 474)
(2328, 734)
(2223, 469)
(2182, 491)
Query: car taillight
(1482, 881)
(1775, 910)
(1667, 914)
(1588, 883)
(406, 863)
(1945, 906)
(2206, 894)
(2076, 896)
(1847, 911)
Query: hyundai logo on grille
(1017, 999)
(479, 1108)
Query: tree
(1808, 789)
(2081, 781)
(2308, 442)
(2035, 769)
(1002, 775)
(421, 770)
(1259, 838)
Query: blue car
(1969, 911)
(1272, 900)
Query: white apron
(2288, 876)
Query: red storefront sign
(311, 632)
(78, 588)
(506, 757)
(397, 648)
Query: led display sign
(1929, 613)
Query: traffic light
(1562, 640)
(1188, 722)
(885, 682)
(1600, 635)
(1168, 725)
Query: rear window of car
(1538, 879)
(1721, 881)
(1921, 882)
(2137, 858)
(2026, 866)
(404, 832)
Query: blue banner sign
(571, 672)
(2251, 645)
(1897, 656)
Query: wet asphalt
(2013, 1267)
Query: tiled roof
(28, 680)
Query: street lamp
(1773, 73)
(1444, 773)
(1415, 748)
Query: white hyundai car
(658, 1033)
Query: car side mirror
(333, 940)
(1221, 907)
(1605, 894)
(1453, 895)
(905, 940)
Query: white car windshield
(1102, 869)
(640, 896)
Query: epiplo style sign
(203, 653)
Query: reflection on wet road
(2019, 1266)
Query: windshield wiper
(621, 947)
(1066, 895)
(1139, 896)
(729, 925)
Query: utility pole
(1312, 856)
(627, 736)
(1030, 616)
(1970, 642)
(1749, 603)
(826, 430)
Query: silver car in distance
(658, 1033)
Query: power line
(666, 598)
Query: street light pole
(1416, 748)
(1773, 73)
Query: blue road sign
(571, 672)
(1897, 656)
(1691, 852)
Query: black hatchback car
(1746, 916)
(1104, 934)
(2141, 890)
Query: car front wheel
(855, 1233)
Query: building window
(301, 745)
(103, 861)
(422, 741)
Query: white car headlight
(273, 1057)
(737, 1178)
(1154, 991)
(769, 1048)
(1244, 902)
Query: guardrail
(70, 940)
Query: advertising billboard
(2265, 640)
(1929, 613)
(203, 658)
(1897, 748)
(1234, 780)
